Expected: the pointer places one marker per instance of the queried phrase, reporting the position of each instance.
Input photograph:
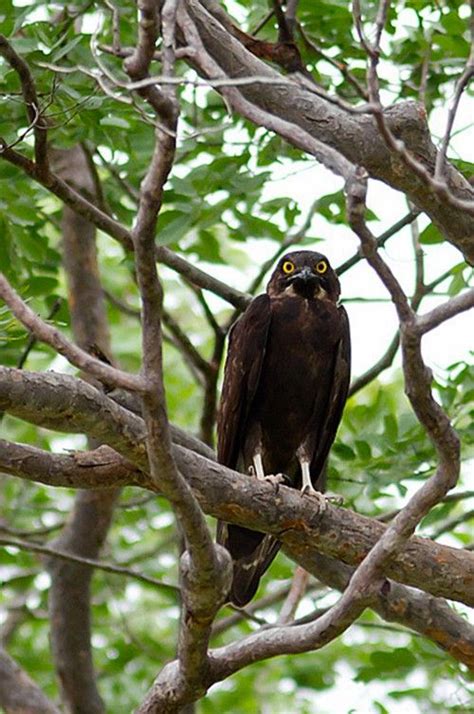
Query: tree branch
(90, 562)
(75, 355)
(232, 497)
(205, 568)
(116, 230)
(354, 137)
(32, 105)
(18, 693)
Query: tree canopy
(156, 158)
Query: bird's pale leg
(307, 486)
(275, 479)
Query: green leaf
(116, 121)
(431, 235)
(344, 451)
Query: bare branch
(328, 156)
(185, 344)
(32, 104)
(51, 336)
(137, 65)
(205, 568)
(441, 313)
(101, 468)
(431, 617)
(417, 383)
(381, 240)
(373, 372)
(435, 182)
(291, 239)
(462, 83)
(91, 562)
(296, 593)
(453, 523)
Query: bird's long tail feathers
(252, 553)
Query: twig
(381, 240)
(115, 11)
(299, 584)
(51, 336)
(98, 564)
(437, 185)
(417, 382)
(185, 345)
(452, 523)
(385, 517)
(291, 239)
(341, 66)
(33, 108)
(461, 85)
(441, 313)
(205, 568)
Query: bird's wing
(247, 343)
(336, 400)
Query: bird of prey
(285, 385)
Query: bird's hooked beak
(305, 276)
(306, 283)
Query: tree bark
(354, 136)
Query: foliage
(226, 209)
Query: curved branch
(18, 693)
(33, 109)
(227, 495)
(91, 562)
(355, 137)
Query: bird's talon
(320, 497)
(275, 480)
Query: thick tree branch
(355, 137)
(224, 494)
(292, 132)
(100, 468)
(205, 568)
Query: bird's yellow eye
(321, 267)
(288, 267)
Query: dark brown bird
(285, 385)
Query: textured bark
(49, 400)
(355, 136)
(340, 533)
(430, 616)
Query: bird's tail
(252, 553)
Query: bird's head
(307, 274)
